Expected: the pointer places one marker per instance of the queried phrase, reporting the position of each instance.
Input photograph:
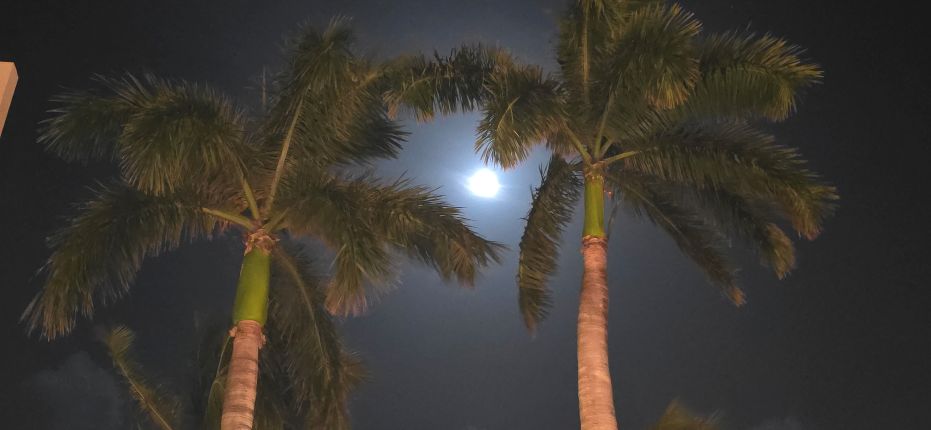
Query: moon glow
(484, 183)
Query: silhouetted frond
(96, 257)
(306, 345)
(523, 108)
(86, 125)
(423, 86)
(736, 157)
(161, 408)
(753, 222)
(164, 134)
(362, 220)
(702, 242)
(553, 204)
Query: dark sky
(841, 344)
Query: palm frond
(579, 34)
(96, 257)
(362, 219)
(336, 211)
(328, 101)
(161, 408)
(733, 155)
(424, 86)
(750, 76)
(182, 133)
(652, 58)
(164, 134)
(317, 60)
(553, 204)
(418, 222)
(86, 125)
(306, 344)
(677, 417)
(523, 108)
(752, 221)
(353, 130)
(700, 241)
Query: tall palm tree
(194, 166)
(648, 111)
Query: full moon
(484, 183)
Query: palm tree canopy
(194, 166)
(671, 117)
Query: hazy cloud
(78, 395)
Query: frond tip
(308, 353)
(162, 409)
(701, 241)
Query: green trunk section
(594, 206)
(252, 291)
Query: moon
(484, 183)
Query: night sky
(841, 344)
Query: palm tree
(648, 111)
(194, 166)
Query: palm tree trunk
(243, 377)
(596, 400)
(249, 315)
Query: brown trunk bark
(596, 401)
(243, 376)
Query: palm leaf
(700, 241)
(336, 212)
(164, 134)
(86, 125)
(96, 257)
(734, 156)
(361, 219)
(418, 222)
(652, 58)
(752, 221)
(456, 82)
(327, 102)
(553, 204)
(523, 108)
(183, 134)
(749, 76)
(305, 344)
(161, 408)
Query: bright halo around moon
(484, 183)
